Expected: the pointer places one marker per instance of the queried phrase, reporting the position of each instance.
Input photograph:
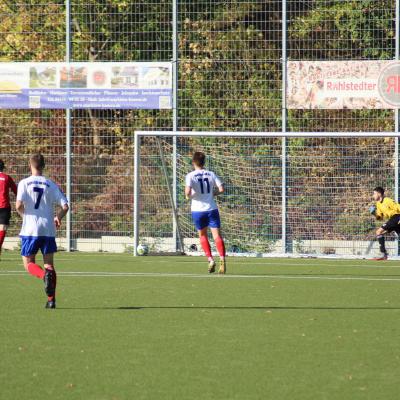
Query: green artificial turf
(164, 329)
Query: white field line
(196, 259)
(198, 276)
(314, 263)
(279, 264)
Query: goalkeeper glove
(372, 210)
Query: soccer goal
(296, 194)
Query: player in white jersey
(201, 186)
(36, 198)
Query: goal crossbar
(269, 134)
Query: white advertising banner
(343, 84)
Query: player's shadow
(230, 308)
(266, 308)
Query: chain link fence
(230, 66)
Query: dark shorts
(5, 216)
(393, 224)
(203, 219)
(30, 245)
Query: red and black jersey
(6, 184)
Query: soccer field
(161, 328)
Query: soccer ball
(142, 250)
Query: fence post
(175, 120)
(136, 193)
(284, 125)
(68, 126)
(396, 116)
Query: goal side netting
(305, 194)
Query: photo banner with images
(343, 84)
(118, 85)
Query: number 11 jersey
(39, 196)
(203, 184)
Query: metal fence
(230, 60)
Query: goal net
(306, 194)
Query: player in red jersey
(6, 184)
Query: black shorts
(393, 224)
(5, 216)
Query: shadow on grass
(228, 308)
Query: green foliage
(229, 79)
(32, 31)
(346, 29)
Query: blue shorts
(30, 245)
(203, 219)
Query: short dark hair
(37, 161)
(380, 190)
(2, 165)
(199, 159)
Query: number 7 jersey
(39, 196)
(203, 184)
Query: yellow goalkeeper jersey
(386, 208)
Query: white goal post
(295, 193)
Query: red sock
(205, 244)
(2, 236)
(35, 270)
(219, 243)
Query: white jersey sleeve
(188, 180)
(21, 193)
(217, 180)
(58, 196)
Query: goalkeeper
(385, 209)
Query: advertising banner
(343, 84)
(86, 85)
